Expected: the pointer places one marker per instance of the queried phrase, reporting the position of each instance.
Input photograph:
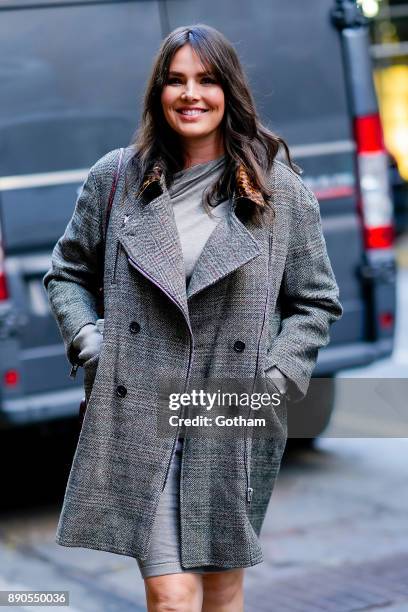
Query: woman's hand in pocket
(278, 379)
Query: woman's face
(192, 100)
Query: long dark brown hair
(246, 140)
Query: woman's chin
(194, 132)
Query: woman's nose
(190, 92)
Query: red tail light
(386, 320)
(368, 134)
(11, 378)
(379, 237)
(375, 204)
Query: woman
(215, 268)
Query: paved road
(335, 537)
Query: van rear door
(71, 78)
(294, 61)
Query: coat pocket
(90, 368)
(279, 410)
(279, 384)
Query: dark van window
(71, 80)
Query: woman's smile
(191, 114)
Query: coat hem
(203, 563)
(91, 544)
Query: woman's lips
(191, 114)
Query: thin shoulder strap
(113, 190)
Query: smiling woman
(193, 104)
(196, 298)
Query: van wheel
(308, 418)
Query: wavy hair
(246, 141)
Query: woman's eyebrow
(176, 73)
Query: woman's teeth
(192, 112)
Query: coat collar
(244, 186)
(151, 241)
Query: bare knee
(174, 593)
(223, 589)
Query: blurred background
(389, 47)
(331, 77)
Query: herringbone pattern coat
(269, 288)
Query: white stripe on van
(44, 179)
(323, 148)
(25, 181)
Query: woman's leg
(174, 593)
(223, 591)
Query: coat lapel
(151, 241)
(229, 247)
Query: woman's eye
(176, 80)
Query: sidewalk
(347, 587)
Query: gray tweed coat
(259, 296)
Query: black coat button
(134, 327)
(239, 346)
(121, 391)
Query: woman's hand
(88, 342)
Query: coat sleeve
(71, 281)
(309, 298)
